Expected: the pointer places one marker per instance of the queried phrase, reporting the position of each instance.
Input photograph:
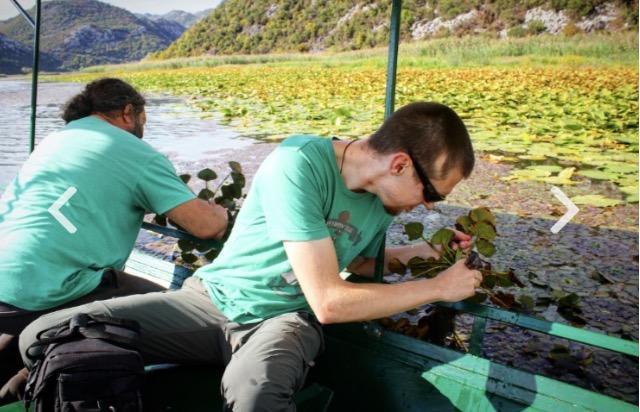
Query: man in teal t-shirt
(70, 218)
(315, 207)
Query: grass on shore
(617, 49)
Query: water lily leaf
(485, 247)
(160, 220)
(395, 266)
(464, 224)
(503, 300)
(482, 214)
(526, 302)
(189, 258)
(546, 168)
(442, 237)
(207, 175)
(566, 173)
(571, 300)
(232, 191)
(238, 179)
(235, 167)
(205, 194)
(595, 200)
(478, 297)
(535, 281)
(414, 230)
(485, 231)
(212, 254)
(599, 174)
(186, 245)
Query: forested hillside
(264, 26)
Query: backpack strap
(87, 326)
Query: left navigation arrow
(54, 209)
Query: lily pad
(595, 200)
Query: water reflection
(173, 127)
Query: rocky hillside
(183, 18)
(16, 57)
(79, 33)
(263, 26)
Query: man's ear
(399, 163)
(128, 114)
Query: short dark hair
(102, 96)
(426, 130)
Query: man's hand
(458, 282)
(460, 241)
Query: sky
(7, 9)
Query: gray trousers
(266, 362)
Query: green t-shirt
(114, 178)
(296, 195)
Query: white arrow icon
(54, 209)
(572, 209)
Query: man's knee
(245, 393)
(29, 335)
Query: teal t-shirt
(110, 178)
(297, 194)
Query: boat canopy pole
(24, 13)
(389, 102)
(392, 58)
(35, 67)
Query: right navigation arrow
(572, 209)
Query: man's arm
(334, 300)
(200, 218)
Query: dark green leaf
(238, 179)
(479, 297)
(160, 220)
(207, 175)
(201, 247)
(414, 230)
(485, 247)
(504, 300)
(186, 245)
(485, 230)
(212, 254)
(464, 224)
(527, 302)
(189, 258)
(482, 214)
(205, 194)
(442, 237)
(185, 178)
(572, 301)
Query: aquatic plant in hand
(227, 194)
(479, 223)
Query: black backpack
(88, 363)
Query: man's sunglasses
(429, 192)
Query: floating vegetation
(583, 120)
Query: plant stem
(220, 185)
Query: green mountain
(81, 33)
(264, 26)
(185, 19)
(15, 57)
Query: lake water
(173, 127)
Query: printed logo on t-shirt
(286, 285)
(342, 226)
